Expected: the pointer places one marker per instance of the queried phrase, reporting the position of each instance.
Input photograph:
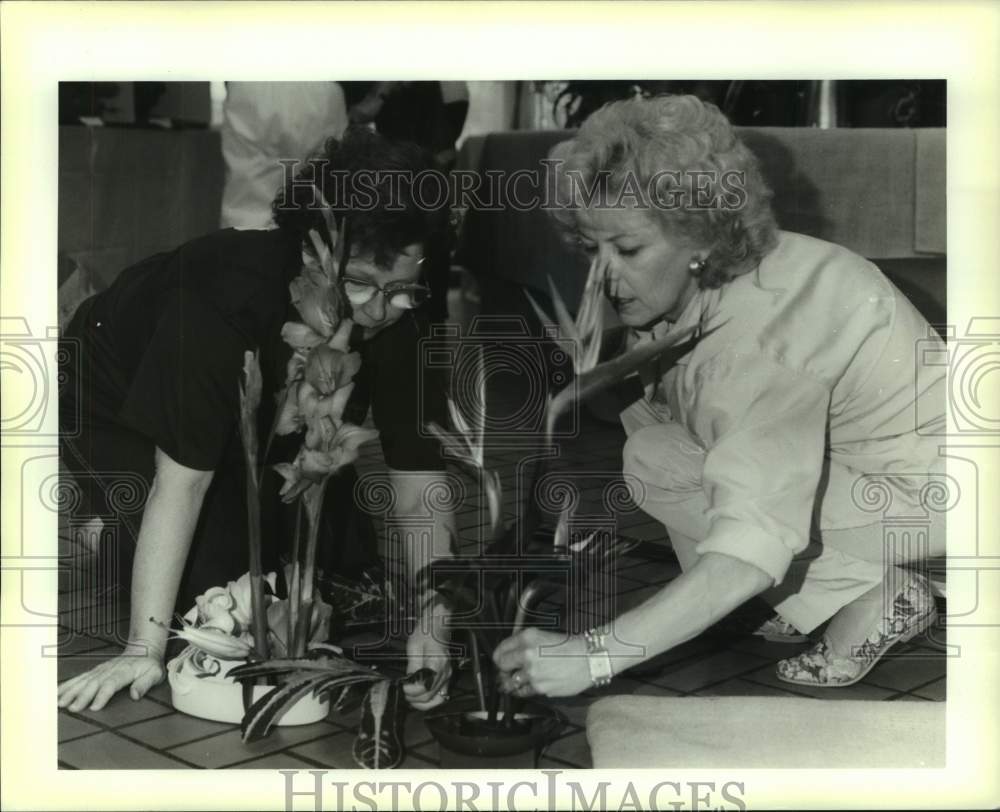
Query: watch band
(598, 657)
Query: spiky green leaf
(260, 716)
(379, 745)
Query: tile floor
(149, 734)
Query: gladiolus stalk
(285, 393)
(249, 402)
(256, 572)
(294, 586)
(313, 503)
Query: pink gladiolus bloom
(347, 441)
(341, 339)
(313, 464)
(295, 367)
(327, 369)
(294, 484)
(293, 415)
(333, 406)
(300, 337)
(319, 432)
(307, 405)
(316, 299)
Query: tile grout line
(196, 739)
(77, 738)
(738, 675)
(922, 698)
(908, 690)
(563, 761)
(791, 691)
(744, 678)
(281, 750)
(897, 696)
(310, 761)
(810, 696)
(680, 664)
(143, 745)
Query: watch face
(599, 663)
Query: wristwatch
(598, 658)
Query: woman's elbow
(745, 579)
(179, 479)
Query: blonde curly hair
(674, 154)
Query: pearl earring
(696, 266)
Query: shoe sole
(921, 627)
(782, 638)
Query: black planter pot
(467, 739)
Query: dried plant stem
(477, 671)
(494, 701)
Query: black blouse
(162, 354)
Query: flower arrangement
(244, 631)
(495, 594)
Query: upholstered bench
(636, 732)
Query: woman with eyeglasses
(154, 401)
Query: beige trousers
(837, 567)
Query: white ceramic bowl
(220, 698)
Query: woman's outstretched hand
(427, 647)
(140, 669)
(539, 662)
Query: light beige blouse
(811, 383)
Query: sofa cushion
(876, 192)
(636, 732)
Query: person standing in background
(264, 122)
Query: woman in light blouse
(756, 449)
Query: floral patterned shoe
(913, 612)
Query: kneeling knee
(664, 455)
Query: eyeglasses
(404, 295)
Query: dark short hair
(367, 179)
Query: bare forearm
(168, 526)
(419, 551)
(684, 608)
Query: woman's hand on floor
(141, 671)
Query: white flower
(215, 641)
(216, 602)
